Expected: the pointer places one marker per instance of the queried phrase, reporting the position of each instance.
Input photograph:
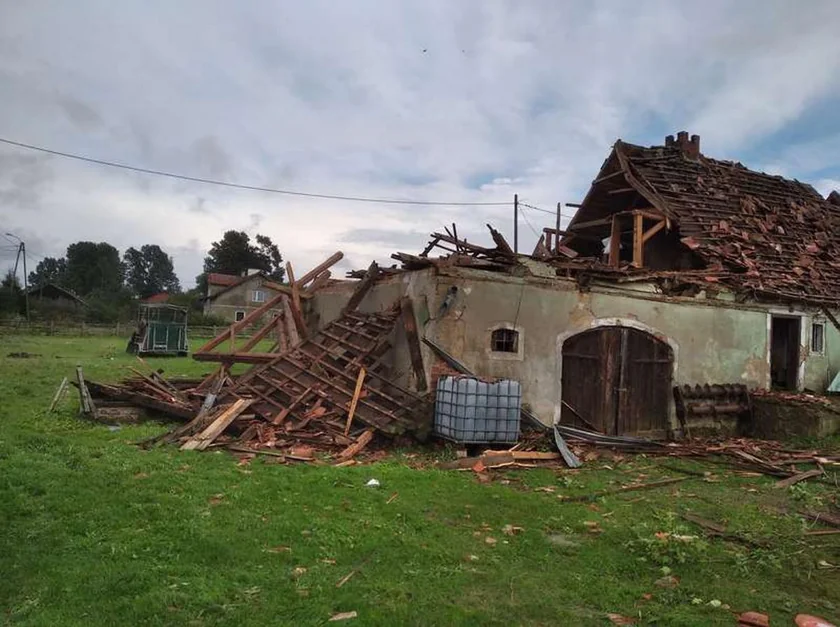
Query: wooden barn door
(617, 380)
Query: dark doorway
(616, 380)
(784, 352)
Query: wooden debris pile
(331, 392)
(577, 446)
(460, 252)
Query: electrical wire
(287, 192)
(553, 213)
(528, 222)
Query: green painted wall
(714, 340)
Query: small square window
(504, 341)
(817, 337)
(258, 296)
(239, 316)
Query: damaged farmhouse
(677, 270)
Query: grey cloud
(406, 241)
(80, 113)
(256, 220)
(339, 98)
(212, 159)
(23, 177)
(199, 205)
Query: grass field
(96, 531)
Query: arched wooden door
(618, 379)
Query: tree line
(112, 284)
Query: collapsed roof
(672, 216)
(760, 233)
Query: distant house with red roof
(160, 297)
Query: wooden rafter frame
(641, 235)
(288, 324)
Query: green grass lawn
(96, 531)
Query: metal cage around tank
(161, 330)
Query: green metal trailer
(161, 330)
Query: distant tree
(149, 271)
(234, 254)
(93, 267)
(10, 282)
(270, 255)
(11, 294)
(49, 270)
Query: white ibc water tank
(468, 410)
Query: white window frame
(257, 296)
(236, 315)
(815, 323)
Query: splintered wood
(331, 392)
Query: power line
(196, 179)
(528, 222)
(554, 213)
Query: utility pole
(21, 253)
(516, 223)
(557, 234)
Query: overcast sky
(432, 100)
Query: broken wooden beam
(59, 392)
(297, 309)
(413, 340)
(321, 267)
(362, 288)
(217, 427)
(358, 446)
(357, 392)
(802, 476)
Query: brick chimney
(689, 147)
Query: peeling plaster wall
(714, 340)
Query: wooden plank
(638, 243)
(281, 415)
(259, 335)
(88, 406)
(355, 400)
(653, 231)
(58, 393)
(802, 476)
(215, 429)
(362, 288)
(291, 328)
(590, 223)
(413, 338)
(285, 289)
(320, 281)
(83, 402)
(236, 358)
(354, 449)
(157, 386)
(297, 310)
(314, 272)
(606, 177)
(615, 242)
(282, 337)
(242, 324)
